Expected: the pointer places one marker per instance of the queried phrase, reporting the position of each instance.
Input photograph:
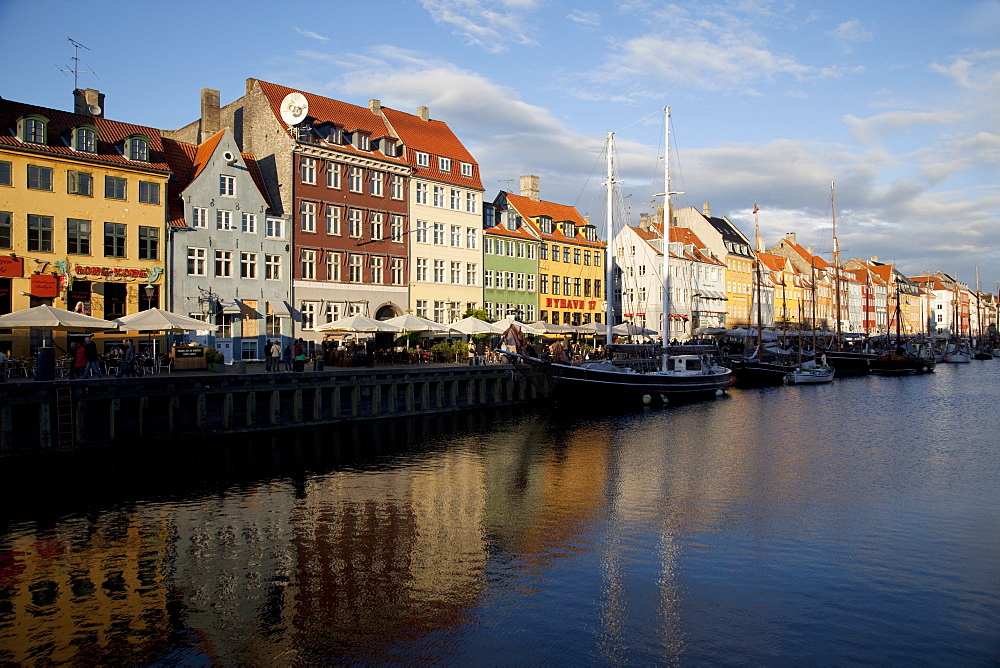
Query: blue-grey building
(228, 256)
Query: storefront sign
(555, 302)
(44, 285)
(116, 273)
(11, 267)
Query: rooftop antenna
(76, 64)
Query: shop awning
(229, 306)
(280, 309)
(711, 294)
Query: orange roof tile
(530, 210)
(437, 139)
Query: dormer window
(364, 142)
(137, 148)
(467, 170)
(33, 129)
(331, 133)
(569, 229)
(423, 159)
(444, 165)
(389, 148)
(85, 140)
(545, 224)
(590, 233)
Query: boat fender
(719, 393)
(646, 399)
(664, 399)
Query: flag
(755, 207)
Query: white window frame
(456, 273)
(227, 185)
(355, 267)
(396, 187)
(421, 235)
(333, 220)
(420, 269)
(471, 202)
(456, 236)
(307, 264)
(197, 261)
(275, 228)
(272, 267)
(438, 234)
(377, 226)
(223, 263)
(248, 265)
(375, 183)
(439, 271)
(249, 223)
(471, 273)
(333, 175)
(355, 223)
(396, 226)
(423, 159)
(199, 217)
(378, 269)
(444, 165)
(224, 220)
(397, 270)
(471, 238)
(355, 180)
(467, 170)
(307, 170)
(333, 266)
(420, 196)
(307, 216)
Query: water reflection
(815, 525)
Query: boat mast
(757, 279)
(666, 233)
(836, 259)
(609, 270)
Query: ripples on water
(850, 523)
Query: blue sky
(897, 101)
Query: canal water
(851, 523)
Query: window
(396, 188)
(364, 142)
(471, 238)
(543, 284)
(423, 159)
(520, 281)
(421, 196)
(456, 236)
(510, 248)
(224, 263)
(396, 229)
(597, 289)
(422, 308)
(597, 259)
(272, 267)
(39, 233)
(34, 131)
(85, 140)
(576, 256)
(6, 230)
(275, 228)
(555, 285)
(471, 202)
(248, 265)
(250, 223)
(149, 193)
(354, 267)
(438, 197)
(333, 220)
(397, 270)
(489, 246)
(138, 149)
(307, 170)
(471, 273)
(520, 248)
(39, 178)
(543, 251)
(307, 264)
(332, 266)
(567, 285)
(422, 231)
(576, 287)
(355, 179)
(586, 258)
(375, 183)
(114, 240)
(439, 271)
(199, 217)
(566, 254)
(488, 278)
(555, 253)
(307, 216)
(510, 280)
(376, 224)
(6, 174)
(531, 251)
(439, 312)
(456, 273)
(115, 187)
(530, 287)
(444, 164)
(456, 199)
(389, 148)
(308, 311)
(354, 219)
(223, 220)
(439, 234)
(378, 270)
(333, 175)
(421, 269)
(149, 243)
(467, 170)
(197, 261)
(79, 183)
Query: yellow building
(788, 291)
(571, 269)
(82, 214)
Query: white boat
(810, 373)
(957, 353)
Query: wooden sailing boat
(904, 358)
(982, 351)
(812, 372)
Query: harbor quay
(68, 415)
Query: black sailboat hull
(749, 374)
(602, 387)
(846, 363)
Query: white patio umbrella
(542, 327)
(591, 328)
(55, 319)
(630, 329)
(414, 323)
(508, 321)
(473, 325)
(158, 320)
(358, 323)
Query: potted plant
(213, 357)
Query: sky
(897, 102)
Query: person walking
(276, 356)
(127, 366)
(90, 352)
(300, 355)
(79, 360)
(267, 355)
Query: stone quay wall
(71, 415)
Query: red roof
(434, 138)
(60, 125)
(530, 210)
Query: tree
(477, 313)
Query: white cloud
(586, 18)
(491, 25)
(878, 127)
(310, 34)
(851, 32)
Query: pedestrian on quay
(267, 355)
(127, 366)
(275, 357)
(90, 353)
(300, 355)
(79, 360)
(286, 357)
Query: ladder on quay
(64, 415)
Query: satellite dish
(294, 108)
(94, 110)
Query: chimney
(791, 237)
(809, 249)
(424, 113)
(529, 187)
(874, 258)
(88, 102)
(375, 106)
(209, 114)
(706, 210)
